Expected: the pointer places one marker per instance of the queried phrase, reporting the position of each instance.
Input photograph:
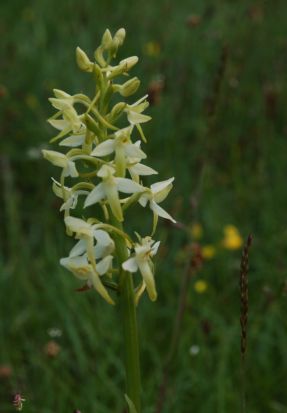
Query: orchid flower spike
(103, 167)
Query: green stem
(129, 320)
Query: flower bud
(117, 41)
(128, 88)
(129, 62)
(83, 61)
(107, 40)
(59, 104)
(119, 37)
(116, 112)
(60, 94)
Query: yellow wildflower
(232, 238)
(152, 49)
(208, 251)
(200, 286)
(196, 230)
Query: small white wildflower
(123, 148)
(155, 195)
(134, 111)
(109, 188)
(61, 160)
(84, 266)
(141, 261)
(69, 196)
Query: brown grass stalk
(244, 303)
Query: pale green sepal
(83, 61)
(100, 288)
(96, 195)
(73, 141)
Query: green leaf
(131, 405)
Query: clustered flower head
(102, 172)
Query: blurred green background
(216, 75)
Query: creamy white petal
(134, 117)
(105, 148)
(73, 262)
(69, 204)
(71, 170)
(73, 141)
(59, 190)
(79, 266)
(60, 104)
(161, 195)
(72, 117)
(78, 226)
(60, 94)
(72, 200)
(104, 265)
(101, 251)
(59, 124)
(159, 186)
(160, 211)
(102, 237)
(96, 195)
(78, 249)
(130, 265)
(148, 277)
(144, 200)
(106, 171)
(143, 170)
(128, 186)
(56, 158)
(154, 248)
(100, 288)
(133, 151)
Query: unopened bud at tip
(83, 61)
(128, 88)
(107, 40)
(119, 37)
(129, 62)
(60, 94)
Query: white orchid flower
(109, 189)
(134, 111)
(61, 100)
(104, 246)
(123, 148)
(155, 195)
(69, 196)
(61, 160)
(83, 270)
(141, 261)
(86, 233)
(71, 119)
(137, 169)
